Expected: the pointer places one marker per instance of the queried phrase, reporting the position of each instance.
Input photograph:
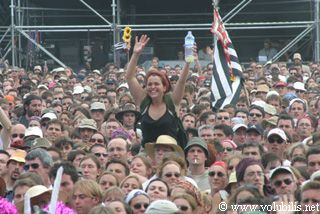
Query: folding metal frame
(17, 27)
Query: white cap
(280, 168)
(60, 69)
(87, 88)
(299, 86)
(78, 89)
(279, 132)
(96, 71)
(97, 106)
(43, 86)
(49, 115)
(237, 126)
(259, 103)
(123, 85)
(272, 93)
(33, 131)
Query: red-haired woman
(156, 120)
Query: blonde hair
(114, 191)
(128, 177)
(89, 188)
(191, 200)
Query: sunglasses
(230, 168)
(169, 175)
(17, 135)
(277, 140)
(101, 154)
(219, 174)
(225, 118)
(138, 206)
(228, 149)
(183, 208)
(279, 183)
(33, 166)
(92, 140)
(254, 114)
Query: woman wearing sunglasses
(185, 202)
(228, 147)
(218, 180)
(170, 172)
(138, 200)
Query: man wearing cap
(196, 154)
(111, 84)
(239, 133)
(97, 110)
(32, 106)
(262, 91)
(281, 88)
(300, 90)
(254, 134)
(30, 135)
(128, 116)
(283, 180)
(297, 60)
(277, 142)
(87, 128)
(15, 168)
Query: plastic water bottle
(188, 45)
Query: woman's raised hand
(140, 44)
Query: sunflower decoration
(127, 36)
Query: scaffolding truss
(17, 28)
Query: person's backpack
(181, 137)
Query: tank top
(152, 129)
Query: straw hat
(165, 140)
(40, 194)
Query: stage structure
(17, 29)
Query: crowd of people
(117, 134)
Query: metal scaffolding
(17, 28)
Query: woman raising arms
(156, 118)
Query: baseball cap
(78, 90)
(33, 131)
(280, 169)
(257, 128)
(49, 115)
(238, 126)
(279, 132)
(97, 106)
(18, 155)
(299, 86)
(88, 123)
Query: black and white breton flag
(226, 83)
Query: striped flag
(226, 83)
